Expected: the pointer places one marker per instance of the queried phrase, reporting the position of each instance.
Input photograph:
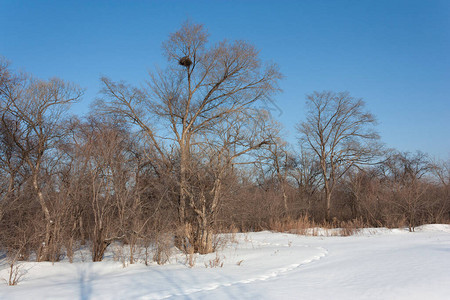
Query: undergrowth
(305, 226)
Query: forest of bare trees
(193, 153)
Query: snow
(374, 264)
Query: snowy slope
(376, 264)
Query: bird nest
(185, 61)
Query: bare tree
(409, 185)
(339, 132)
(306, 173)
(364, 190)
(202, 86)
(12, 173)
(441, 170)
(103, 167)
(279, 163)
(35, 108)
(221, 150)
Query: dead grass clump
(302, 225)
(305, 226)
(396, 221)
(351, 227)
(215, 263)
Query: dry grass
(396, 221)
(305, 226)
(215, 263)
(351, 227)
(302, 226)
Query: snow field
(374, 264)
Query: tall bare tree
(340, 133)
(202, 86)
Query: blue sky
(393, 54)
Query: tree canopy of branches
(195, 101)
(339, 132)
(31, 122)
(190, 154)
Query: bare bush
(16, 272)
(217, 262)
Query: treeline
(193, 153)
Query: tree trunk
(327, 186)
(328, 200)
(204, 236)
(82, 235)
(285, 200)
(183, 234)
(205, 245)
(99, 245)
(44, 253)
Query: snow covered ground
(375, 264)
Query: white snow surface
(374, 264)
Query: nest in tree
(185, 61)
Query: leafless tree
(222, 149)
(306, 173)
(410, 184)
(34, 109)
(364, 190)
(202, 86)
(103, 168)
(442, 171)
(279, 162)
(339, 132)
(12, 171)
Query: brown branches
(339, 132)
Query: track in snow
(268, 275)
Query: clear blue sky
(394, 54)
